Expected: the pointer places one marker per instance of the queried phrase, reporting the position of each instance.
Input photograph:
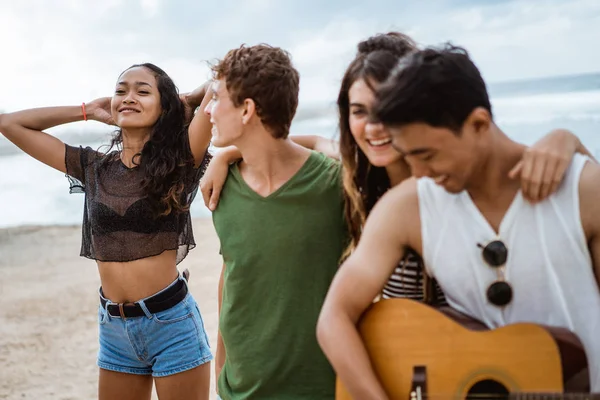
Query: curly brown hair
(364, 183)
(166, 159)
(266, 75)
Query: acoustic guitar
(419, 352)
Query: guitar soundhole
(488, 389)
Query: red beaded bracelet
(84, 113)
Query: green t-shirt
(281, 253)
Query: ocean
(33, 194)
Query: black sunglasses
(495, 254)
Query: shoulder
(589, 198)
(399, 204)
(589, 181)
(233, 180)
(404, 193)
(327, 168)
(85, 154)
(324, 161)
(396, 215)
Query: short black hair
(437, 86)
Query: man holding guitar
(499, 259)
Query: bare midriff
(127, 282)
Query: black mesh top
(118, 222)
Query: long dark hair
(364, 183)
(166, 159)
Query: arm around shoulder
(216, 174)
(317, 143)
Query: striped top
(407, 281)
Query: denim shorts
(160, 344)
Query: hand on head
(99, 110)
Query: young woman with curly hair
(137, 227)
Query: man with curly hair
(282, 233)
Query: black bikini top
(119, 224)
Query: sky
(59, 52)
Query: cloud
(150, 7)
(522, 39)
(322, 56)
(69, 51)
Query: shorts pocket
(178, 312)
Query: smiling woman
(371, 164)
(137, 227)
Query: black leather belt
(157, 303)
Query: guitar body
(456, 361)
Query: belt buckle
(121, 311)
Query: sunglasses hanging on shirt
(495, 254)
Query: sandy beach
(48, 303)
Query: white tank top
(549, 265)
